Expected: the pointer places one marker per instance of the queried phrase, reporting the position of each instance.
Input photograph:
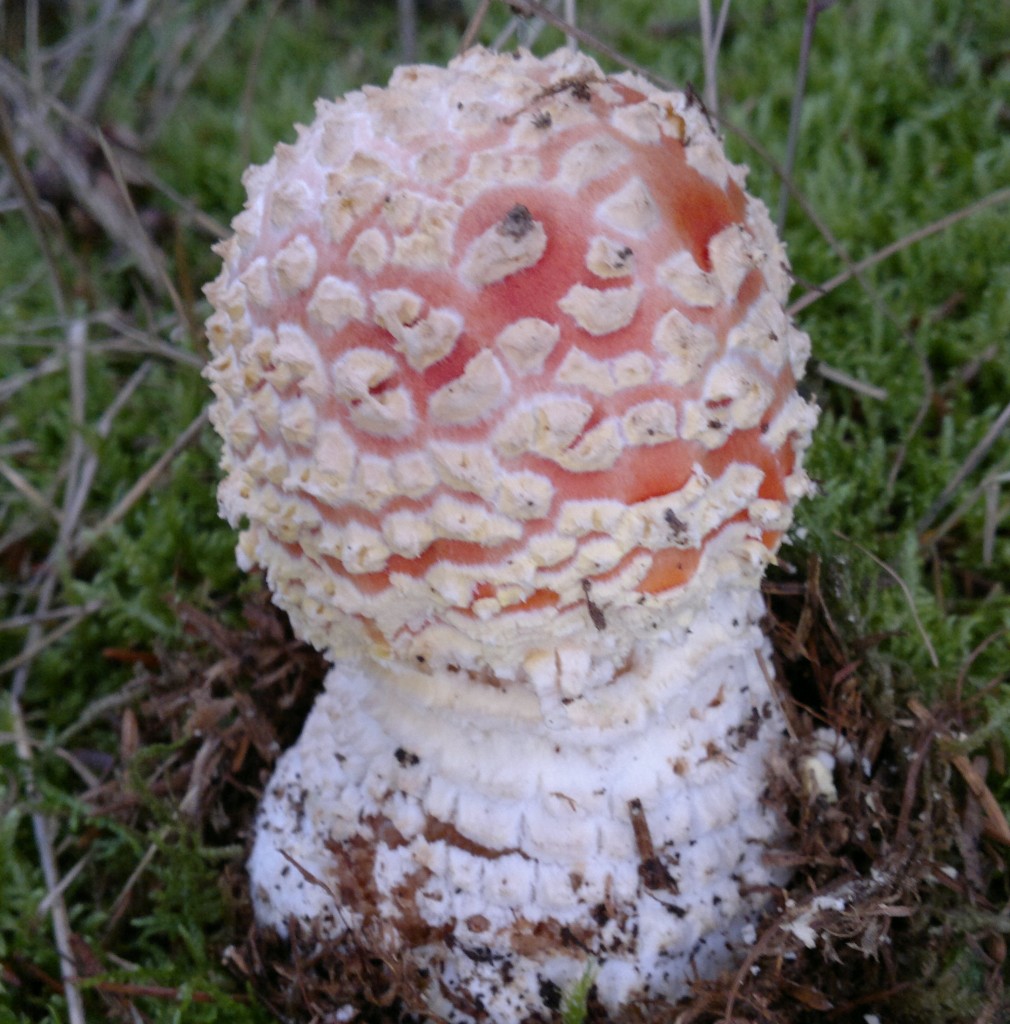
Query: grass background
(114, 565)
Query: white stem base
(504, 837)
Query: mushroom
(509, 409)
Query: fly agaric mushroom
(508, 402)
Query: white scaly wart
(509, 409)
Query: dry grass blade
(176, 77)
(46, 578)
(31, 206)
(30, 493)
(142, 485)
(127, 202)
(45, 907)
(997, 198)
(993, 515)
(42, 828)
(42, 642)
(98, 709)
(814, 9)
(122, 901)
(527, 29)
(53, 615)
(115, 217)
(988, 490)
(846, 380)
(530, 8)
(711, 41)
(116, 28)
(904, 589)
(13, 384)
(975, 456)
(407, 17)
(77, 343)
(474, 26)
(873, 294)
(130, 338)
(102, 430)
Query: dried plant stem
(814, 9)
(106, 210)
(975, 456)
(35, 642)
(42, 828)
(473, 28)
(122, 901)
(42, 641)
(992, 517)
(904, 589)
(53, 615)
(142, 486)
(532, 9)
(996, 198)
(32, 48)
(251, 77)
(65, 882)
(157, 262)
(46, 579)
(32, 209)
(11, 385)
(29, 492)
(847, 381)
(102, 430)
(111, 43)
(570, 18)
(176, 80)
(130, 692)
(407, 17)
(711, 41)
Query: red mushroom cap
(501, 363)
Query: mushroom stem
(514, 832)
